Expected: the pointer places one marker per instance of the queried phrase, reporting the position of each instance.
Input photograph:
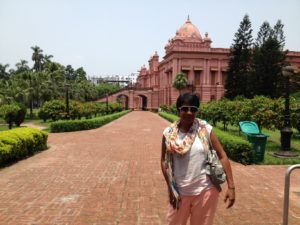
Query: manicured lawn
(273, 145)
(4, 126)
(275, 136)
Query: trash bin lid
(249, 127)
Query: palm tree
(5, 87)
(55, 80)
(3, 73)
(37, 57)
(28, 77)
(180, 81)
(22, 66)
(46, 60)
(12, 91)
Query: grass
(3, 127)
(273, 145)
(275, 137)
(35, 121)
(270, 159)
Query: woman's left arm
(230, 194)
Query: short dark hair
(189, 99)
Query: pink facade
(192, 54)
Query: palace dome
(188, 31)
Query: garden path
(111, 175)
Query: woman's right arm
(163, 159)
(172, 199)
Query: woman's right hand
(172, 200)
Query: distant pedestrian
(183, 158)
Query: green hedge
(21, 142)
(235, 147)
(75, 125)
(170, 117)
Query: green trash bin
(256, 138)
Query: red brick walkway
(111, 175)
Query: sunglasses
(192, 109)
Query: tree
(263, 34)
(106, 88)
(70, 73)
(80, 74)
(180, 81)
(22, 66)
(84, 91)
(55, 78)
(37, 57)
(47, 58)
(278, 33)
(3, 73)
(239, 66)
(268, 61)
(295, 82)
(11, 91)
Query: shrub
(19, 143)
(235, 147)
(211, 112)
(9, 113)
(170, 117)
(42, 114)
(20, 117)
(164, 107)
(75, 125)
(173, 109)
(76, 109)
(89, 109)
(101, 108)
(53, 109)
(115, 107)
(295, 114)
(226, 111)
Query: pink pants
(201, 208)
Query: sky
(117, 37)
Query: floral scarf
(181, 147)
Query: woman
(184, 147)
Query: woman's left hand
(230, 197)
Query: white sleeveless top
(189, 169)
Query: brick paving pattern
(111, 175)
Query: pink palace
(192, 54)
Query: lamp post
(286, 131)
(67, 102)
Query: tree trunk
(31, 108)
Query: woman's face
(187, 113)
